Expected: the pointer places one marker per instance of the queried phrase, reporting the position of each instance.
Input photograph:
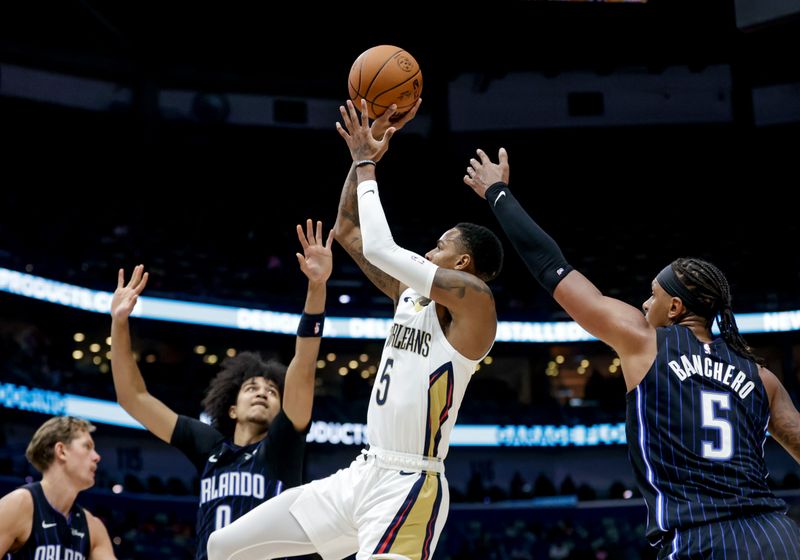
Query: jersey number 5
(383, 389)
(713, 402)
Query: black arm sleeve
(195, 439)
(287, 447)
(538, 250)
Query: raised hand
(358, 135)
(389, 119)
(125, 296)
(482, 173)
(316, 262)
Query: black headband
(668, 280)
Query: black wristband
(311, 324)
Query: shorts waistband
(403, 461)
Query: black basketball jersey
(696, 428)
(53, 536)
(233, 479)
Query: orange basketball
(384, 75)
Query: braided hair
(711, 288)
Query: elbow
(127, 398)
(339, 231)
(124, 401)
(377, 255)
(370, 253)
(376, 248)
(343, 232)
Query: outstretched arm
(784, 421)
(347, 228)
(316, 263)
(466, 297)
(129, 384)
(348, 233)
(620, 325)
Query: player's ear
(676, 309)
(59, 451)
(463, 262)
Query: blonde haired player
(41, 520)
(392, 501)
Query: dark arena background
(192, 137)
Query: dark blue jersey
(53, 536)
(233, 479)
(696, 428)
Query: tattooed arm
(347, 231)
(467, 311)
(784, 422)
(470, 304)
(347, 228)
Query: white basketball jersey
(419, 385)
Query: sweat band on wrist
(311, 324)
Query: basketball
(384, 75)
